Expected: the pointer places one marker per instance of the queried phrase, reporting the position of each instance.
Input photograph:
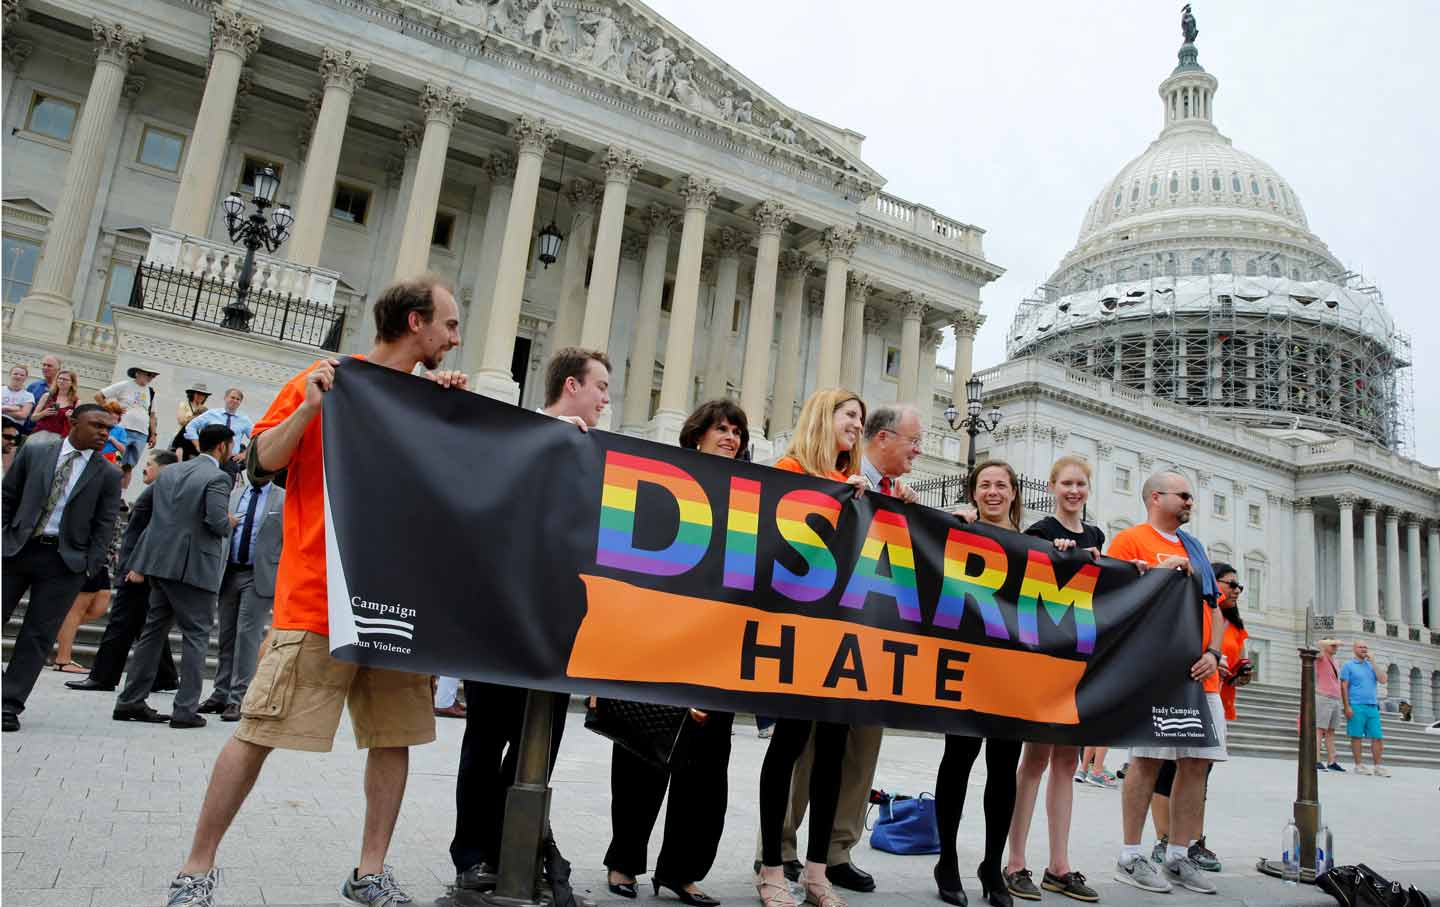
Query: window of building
(253, 165)
(444, 230)
(1174, 182)
(1274, 269)
(52, 116)
(1122, 479)
(1154, 186)
(161, 149)
(1235, 183)
(1270, 188)
(1255, 587)
(1252, 269)
(1214, 180)
(351, 204)
(118, 285)
(892, 362)
(1119, 197)
(1222, 505)
(1254, 186)
(1256, 515)
(1197, 266)
(21, 258)
(1135, 192)
(1225, 265)
(1194, 180)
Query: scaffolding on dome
(1267, 351)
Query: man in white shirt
(138, 398)
(230, 417)
(19, 402)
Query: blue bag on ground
(907, 825)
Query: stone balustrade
(91, 336)
(219, 261)
(908, 217)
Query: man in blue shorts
(1359, 682)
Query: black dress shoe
(480, 877)
(88, 684)
(183, 723)
(9, 722)
(624, 889)
(211, 706)
(138, 713)
(848, 875)
(700, 899)
(993, 887)
(947, 881)
(231, 713)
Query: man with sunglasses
(1157, 543)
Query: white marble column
(1369, 562)
(16, 51)
(233, 38)
(676, 384)
(912, 313)
(794, 267)
(728, 245)
(1432, 557)
(1413, 592)
(342, 73)
(1394, 609)
(582, 196)
(852, 355)
(441, 105)
(839, 245)
(965, 325)
(622, 327)
(1304, 554)
(501, 169)
(47, 311)
(1347, 553)
(930, 338)
(532, 137)
(641, 373)
(755, 375)
(620, 165)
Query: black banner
(471, 538)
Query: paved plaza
(100, 813)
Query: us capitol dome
(1196, 278)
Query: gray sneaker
(374, 890)
(193, 891)
(1186, 873)
(1140, 873)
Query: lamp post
(550, 236)
(973, 423)
(253, 232)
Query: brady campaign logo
(372, 630)
(1177, 723)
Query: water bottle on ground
(1290, 853)
(1324, 850)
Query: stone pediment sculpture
(628, 43)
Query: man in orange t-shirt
(1156, 543)
(299, 690)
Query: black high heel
(993, 887)
(624, 889)
(952, 890)
(699, 900)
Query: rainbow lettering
(741, 525)
(1039, 585)
(960, 585)
(790, 515)
(616, 548)
(889, 533)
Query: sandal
(774, 894)
(64, 667)
(820, 893)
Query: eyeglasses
(1185, 496)
(916, 441)
(1232, 584)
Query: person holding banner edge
(417, 322)
(695, 817)
(994, 490)
(1160, 542)
(827, 443)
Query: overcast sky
(1013, 117)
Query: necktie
(228, 417)
(57, 489)
(884, 484)
(242, 557)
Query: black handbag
(655, 733)
(1361, 886)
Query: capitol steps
(87, 642)
(1265, 726)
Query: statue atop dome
(1188, 27)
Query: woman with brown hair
(193, 405)
(826, 443)
(994, 491)
(695, 818)
(52, 413)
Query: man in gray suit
(247, 593)
(60, 503)
(182, 553)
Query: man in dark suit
(247, 592)
(182, 553)
(60, 503)
(132, 599)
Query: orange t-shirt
(790, 464)
(1232, 646)
(1144, 543)
(300, 589)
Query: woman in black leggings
(993, 491)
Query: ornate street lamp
(253, 232)
(550, 235)
(973, 423)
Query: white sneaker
(1382, 771)
(1141, 873)
(1362, 769)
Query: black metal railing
(947, 491)
(196, 297)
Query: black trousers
(128, 610)
(695, 818)
(1002, 758)
(786, 745)
(36, 568)
(489, 755)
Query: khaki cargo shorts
(297, 694)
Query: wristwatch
(1216, 653)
